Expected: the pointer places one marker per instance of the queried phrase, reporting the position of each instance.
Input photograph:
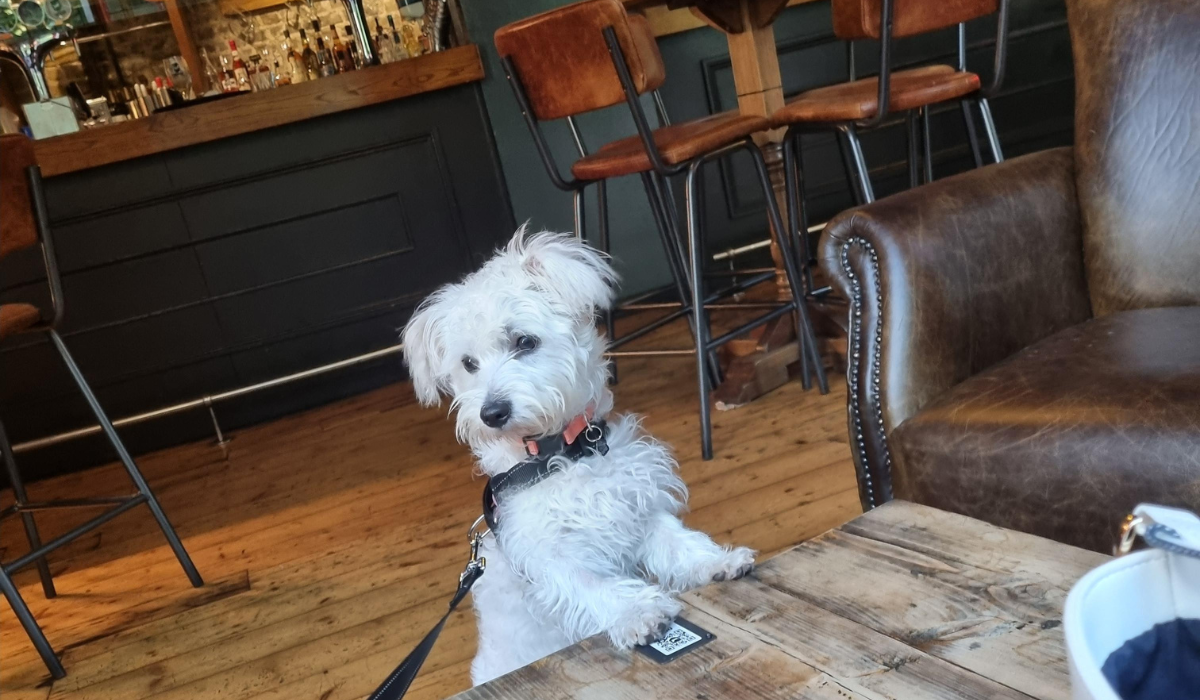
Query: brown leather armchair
(1025, 338)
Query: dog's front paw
(736, 564)
(647, 620)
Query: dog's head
(515, 344)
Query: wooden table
(760, 364)
(903, 602)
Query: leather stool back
(860, 19)
(18, 229)
(564, 64)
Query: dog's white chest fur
(601, 505)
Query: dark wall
(233, 262)
(1034, 111)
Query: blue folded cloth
(1161, 664)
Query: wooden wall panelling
(270, 253)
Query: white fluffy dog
(596, 546)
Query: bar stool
(25, 224)
(591, 55)
(847, 108)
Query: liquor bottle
(311, 66)
(353, 47)
(281, 77)
(239, 68)
(324, 60)
(228, 79)
(266, 78)
(215, 83)
(297, 73)
(411, 33)
(383, 44)
(341, 55)
(398, 50)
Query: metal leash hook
(477, 564)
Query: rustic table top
(903, 602)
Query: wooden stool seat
(15, 318)
(676, 143)
(916, 87)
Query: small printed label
(682, 637)
(675, 639)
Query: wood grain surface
(251, 112)
(330, 542)
(905, 602)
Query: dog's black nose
(496, 413)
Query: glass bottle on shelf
(210, 73)
(398, 50)
(410, 32)
(311, 66)
(266, 78)
(297, 73)
(228, 80)
(383, 44)
(282, 77)
(239, 68)
(341, 55)
(352, 46)
(324, 60)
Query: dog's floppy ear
(578, 276)
(425, 350)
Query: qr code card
(681, 638)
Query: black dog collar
(541, 463)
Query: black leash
(529, 472)
(397, 683)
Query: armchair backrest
(1137, 152)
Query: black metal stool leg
(860, 164)
(914, 149)
(808, 341)
(989, 126)
(675, 258)
(31, 626)
(848, 166)
(801, 208)
(31, 531)
(134, 473)
(694, 225)
(926, 143)
(603, 243)
(672, 212)
(972, 137)
(795, 200)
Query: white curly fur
(599, 546)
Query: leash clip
(477, 564)
(594, 435)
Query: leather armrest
(944, 281)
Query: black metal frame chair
(687, 270)
(26, 508)
(917, 121)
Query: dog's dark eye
(470, 364)
(525, 343)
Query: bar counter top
(90, 148)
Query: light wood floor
(330, 542)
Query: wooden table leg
(755, 62)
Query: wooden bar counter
(235, 241)
(249, 112)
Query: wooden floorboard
(331, 540)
